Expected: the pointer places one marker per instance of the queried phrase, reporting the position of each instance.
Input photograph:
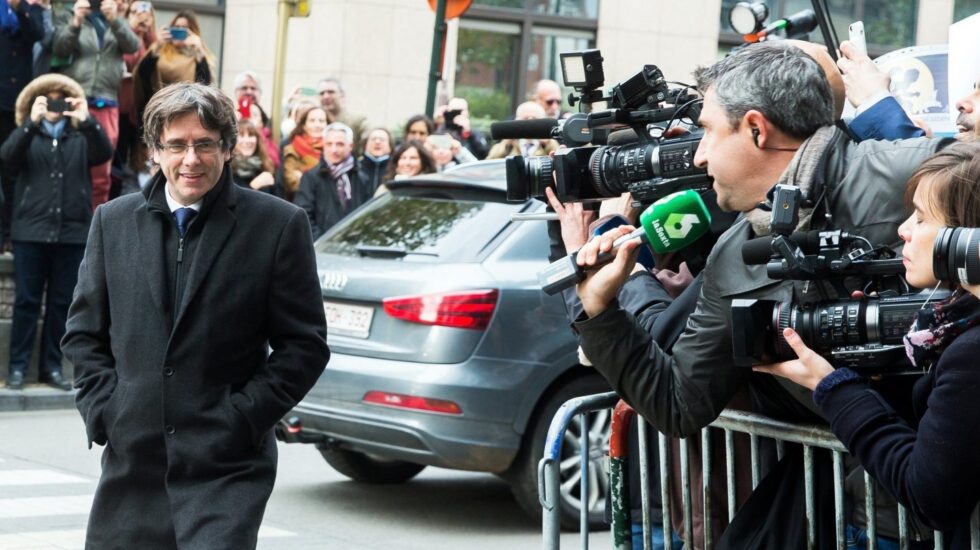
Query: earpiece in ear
(755, 136)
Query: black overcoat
(185, 401)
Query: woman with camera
(929, 462)
(179, 55)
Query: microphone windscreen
(757, 251)
(538, 128)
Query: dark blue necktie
(184, 217)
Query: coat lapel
(151, 257)
(217, 228)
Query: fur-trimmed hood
(43, 85)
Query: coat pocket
(112, 408)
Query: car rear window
(419, 228)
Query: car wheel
(524, 474)
(368, 469)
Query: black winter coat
(17, 54)
(318, 197)
(185, 398)
(929, 465)
(372, 173)
(53, 200)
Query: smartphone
(245, 107)
(58, 106)
(441, 141)
(178, 33)
(308, 91)
(855, 33)
(95, 5)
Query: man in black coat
(183, 290)
(333, 188)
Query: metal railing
(730, 422)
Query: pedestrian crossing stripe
(37, 477)
(75, 538)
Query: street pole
(280, 68)
(435, 70)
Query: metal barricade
(730, 422)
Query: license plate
(348, 320)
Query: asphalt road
(48, 477)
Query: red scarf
(307, 147)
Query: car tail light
(412, 402)
(471, 309)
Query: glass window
(543, 61)
(419, 228)
(516, 4)
(965, 8)
(888, 24)
(570, 8)
(486, 68)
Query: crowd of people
(75, 80)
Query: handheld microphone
(802, 22)
(536, 128)
(668, 225)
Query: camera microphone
(536, 128)
(759, 251)
(668, 225)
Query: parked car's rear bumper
(334, 411)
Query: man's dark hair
(215, 110)
(779, 80)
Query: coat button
(169, 429)
(168, 371)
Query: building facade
(381, 49)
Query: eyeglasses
(201, 148)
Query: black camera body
(616, 150)
(450, 119)
(864, 334)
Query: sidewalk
(35, 397)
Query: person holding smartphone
(50, 153)
(92, 39)
(178, 55)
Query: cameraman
(929, 464)
(768, 118)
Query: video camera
(633, 154)
(864, 334)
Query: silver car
(445, 351)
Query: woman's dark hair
(955, 176)
(299, 129)
(428, 163)
(246, 127)
(429, 125)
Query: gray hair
(240, 79)
(215, 110)
(779, 80)
(340, 127)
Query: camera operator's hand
(622, 205)
(806, 371)
(862, 78)
(80, 11)
(39, 108)
(79, 109)
(574, 220)
(600, 287)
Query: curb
(35, 398)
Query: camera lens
(614, 168)
(956, 255)
(527, 177)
